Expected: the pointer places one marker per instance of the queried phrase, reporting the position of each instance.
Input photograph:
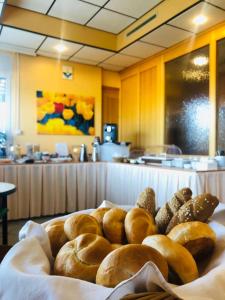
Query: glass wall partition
(221, 95)
(187, 108)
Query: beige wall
(39, 73)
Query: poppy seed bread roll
(195, 236)
(81, 257)
(78, 224)
(113, 225)
(139, 224)
(178, 258)
(126, 261)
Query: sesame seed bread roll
(146, 200)
(170, 208)
(195, 236)
(78, 224)
(139, 224)
(113, 225)
(198, 209)
(178, 258)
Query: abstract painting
(67, 114)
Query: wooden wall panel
(129, 110)
(149, 108)
(110, 105)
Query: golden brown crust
(56, 236)
(169, 209)
(113, 225)
(138, 225)
(198, 209)
(99, 213)
(124, 262)
(81, 257)
(177, 257)
(196, 236)
(146, 200)
(78, 224)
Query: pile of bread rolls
(111, 245)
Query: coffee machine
(110, 133)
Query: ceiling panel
(35, 5)
(111, 67)
(110, 21)
(166, 36)
(122, 60)
(49, 47)
(20, 38)
(220, 3)
(83, 61)
(74, 10)
(97, 2)
(142, 50)
(93, 54)
(52, 54)
(214, 15)
(132, 8)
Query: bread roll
(146, 200)
(78, 224)
(196, 236)
(99, 213)
(116, 246)
(81, 257)
(56, 236)
(138, 225)
(198, 209)
(169, 209)
(113, 225)
(124, 262)
(177, 257)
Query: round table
(5, 190)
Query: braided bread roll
(169, 209)
(198, 209)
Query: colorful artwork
(59, 113)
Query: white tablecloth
(24, 272)
(49, 189)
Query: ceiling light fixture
(200, 20)
(60, 48)
(200, 61)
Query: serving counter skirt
(49, 189)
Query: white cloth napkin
(25, 272)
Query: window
(221, 95)
(187, 106)
(5, 91)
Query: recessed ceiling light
(200, 19)
(200, 61)
(60, 48)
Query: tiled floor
(15, 226)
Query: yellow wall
(146, 94)
(39, 73)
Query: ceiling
(111, 16)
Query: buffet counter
(49, 189)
